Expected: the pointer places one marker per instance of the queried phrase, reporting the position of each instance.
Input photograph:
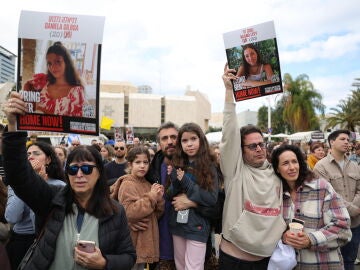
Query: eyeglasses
(86, 169)
(253, 146)
(122, 148)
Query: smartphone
(86, 246)
(298, 221)
(182, 216)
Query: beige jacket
(346, 183)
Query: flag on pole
(106, 123)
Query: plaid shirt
(327, 223)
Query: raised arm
(27, 184)
(230, 147)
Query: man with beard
(116, 168)
(166, 138)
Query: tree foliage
(301, 103)
(263, 118)
(347, 113)
(278, 124)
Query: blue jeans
(350, 250)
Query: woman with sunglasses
(82, 210)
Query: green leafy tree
(301, 103)
(262, 118)
(356, 101)
(278, 124)
(347, 112)
(277, 118)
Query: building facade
(244, 118)
(7, 66)
(122, 102)
(127, 106)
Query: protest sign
(253, 53)
(59, 71)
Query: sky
(175, 45)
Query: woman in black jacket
(82, 210)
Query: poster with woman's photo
(253, 53)
(59, 71)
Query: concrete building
(7, 66)
(122, 102)
(244, 118)
(145, 89)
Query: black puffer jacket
(114, 236)
(153, 175)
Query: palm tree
(347, 113)
(356, 101)
(301, 103)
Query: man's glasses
(253, 146)
(122, 148)
(86, 169)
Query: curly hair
(205, 159)
(304, 173)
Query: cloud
(331, 48)
(336, 87)
(170, 45)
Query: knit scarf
(311, 161)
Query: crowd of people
(119, 206)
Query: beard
(168, 156)
(120, 156)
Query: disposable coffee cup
(296, 227)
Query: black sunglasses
(253, 146)
(86, 169)
(122, 148)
